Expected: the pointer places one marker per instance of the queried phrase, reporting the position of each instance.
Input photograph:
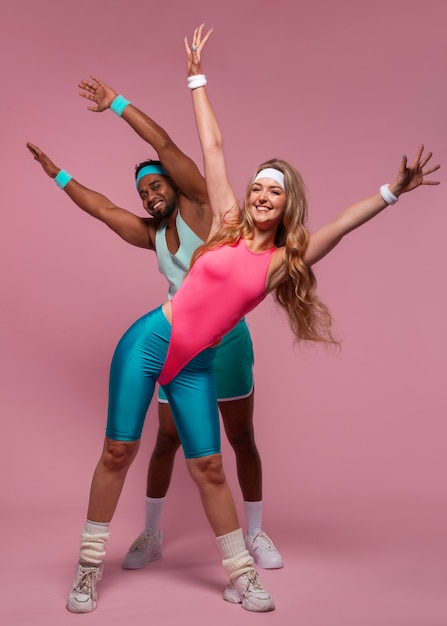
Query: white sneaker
(263, 550)
(146, 548)
(248, 591)
(82, 598)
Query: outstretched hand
(411, 176)
(98, 92)
(193, 53)
(48, 166)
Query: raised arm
(181, 169)
(222, 198)
(133, 229)
(408, 178)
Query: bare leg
(237, 416)
(108, 478)
(208, 474)
(244, 586)
(162, 459)
(107, 483)
(148, 546)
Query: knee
(118, 455)
(168, 441)
(237, 416)
(241, 440)
(207, 470)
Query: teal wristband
(119, 104)
(62, 178)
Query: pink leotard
(223, 285)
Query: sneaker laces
(253, 583)
(85, 584)
(141, 542)
(263, 541)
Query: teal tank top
(174, 266)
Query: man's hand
(48, 166)
(98, 92)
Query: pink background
(353, 445)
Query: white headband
(270, 172)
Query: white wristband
(199, 80)
(387, 195)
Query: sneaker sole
(269, 564)
(153, 558)
(76, 609)
(255, 609)
(231, 595)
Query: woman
(252, 251)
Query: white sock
(253, 514)
(154, 508)
(93, 542)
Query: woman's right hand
(193, 52)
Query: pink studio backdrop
(353, 445)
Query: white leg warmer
(93, 542)
(236, 559)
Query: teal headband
(153, 168)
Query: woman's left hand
(411, 176)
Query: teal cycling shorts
(232, 367)
(136, 366)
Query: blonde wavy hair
(308, 316)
